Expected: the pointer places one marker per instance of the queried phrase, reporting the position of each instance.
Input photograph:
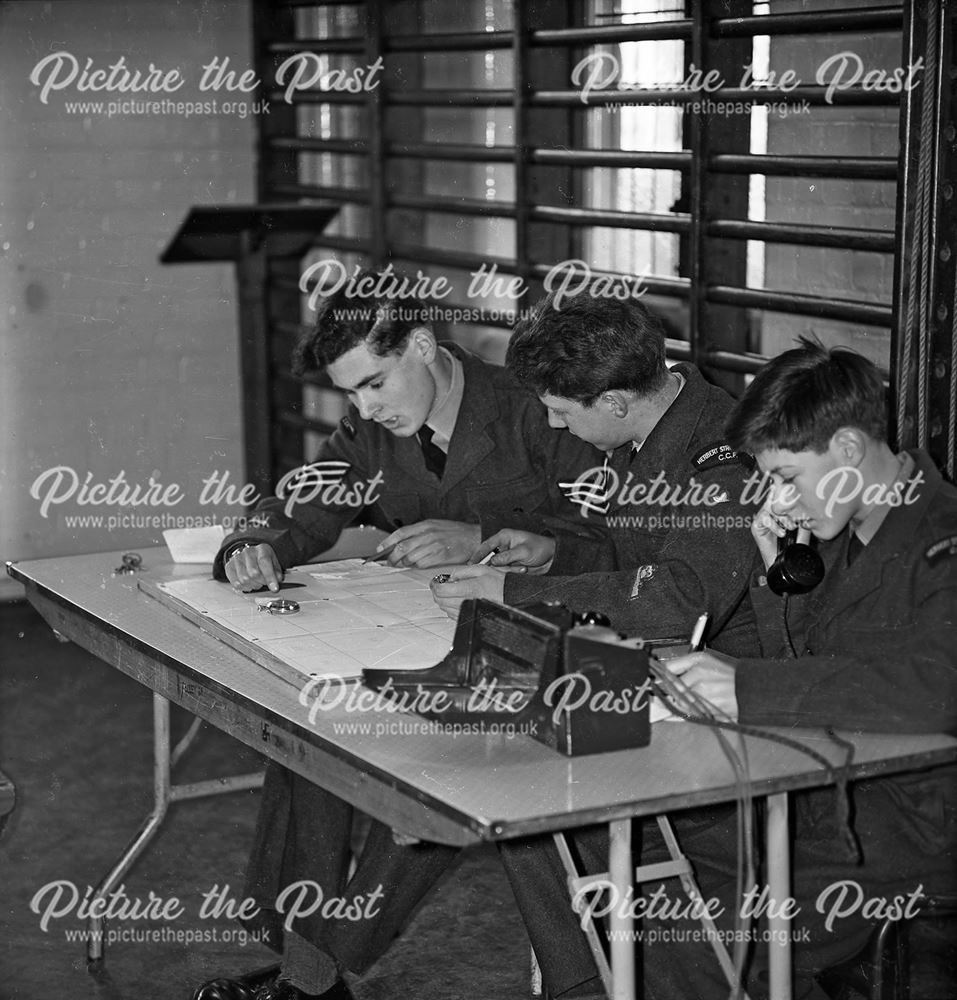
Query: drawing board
(351, 616)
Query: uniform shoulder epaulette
(716, 454)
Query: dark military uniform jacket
(502, 457)
(662, 565)
(877, 645)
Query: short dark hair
(350, 317)
(799, 399)
(588, 346)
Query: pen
(697, 636)
(487, 558)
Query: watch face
(280, 607)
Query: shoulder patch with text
(713, 455)
(939, 550)
(348, 426)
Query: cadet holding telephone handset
(875, 643)
(797, 567)
(859, 633)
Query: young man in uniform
(670, 528)
(444, 440)
(872, 648)
(671, 507)
(438, 439)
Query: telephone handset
(797, 569)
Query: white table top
(492, 785)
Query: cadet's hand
(518, 548)
(710, 675)
(432, 543)
(766, 529)
(768, 526)
(471, 581)
(254, 566)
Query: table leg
(779, 889)
(621, 921)
(164, 792)
(161, 800)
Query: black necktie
(854, 548)
(433, 454)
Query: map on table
(351, 616)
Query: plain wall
(109, 361)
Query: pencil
(384, 554)
(697, 636)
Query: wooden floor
(75, 739)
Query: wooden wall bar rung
(320, 46)
(628, 159)
(846, 168)
(441, 98)
(732, 361)
(317, 191)
(847, 310)
(658, 222)
(495, 154)
(874, 240)
(452, 151)
(612, 33)
(880, 168)
(477, 41)
(672, 287)
(814, 95)
(811, 22)
(318, 3)
(310, 144)
(468, 207)
(316, 97)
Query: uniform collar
(676, 428)
(868, 527)
(636, 445)
(477, 409)
(445, 413)
(900, 525)
(900, 528)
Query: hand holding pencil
(515, 549)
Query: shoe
(245, 987)
(281, 990)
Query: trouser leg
(539, 883)
(300, 859)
